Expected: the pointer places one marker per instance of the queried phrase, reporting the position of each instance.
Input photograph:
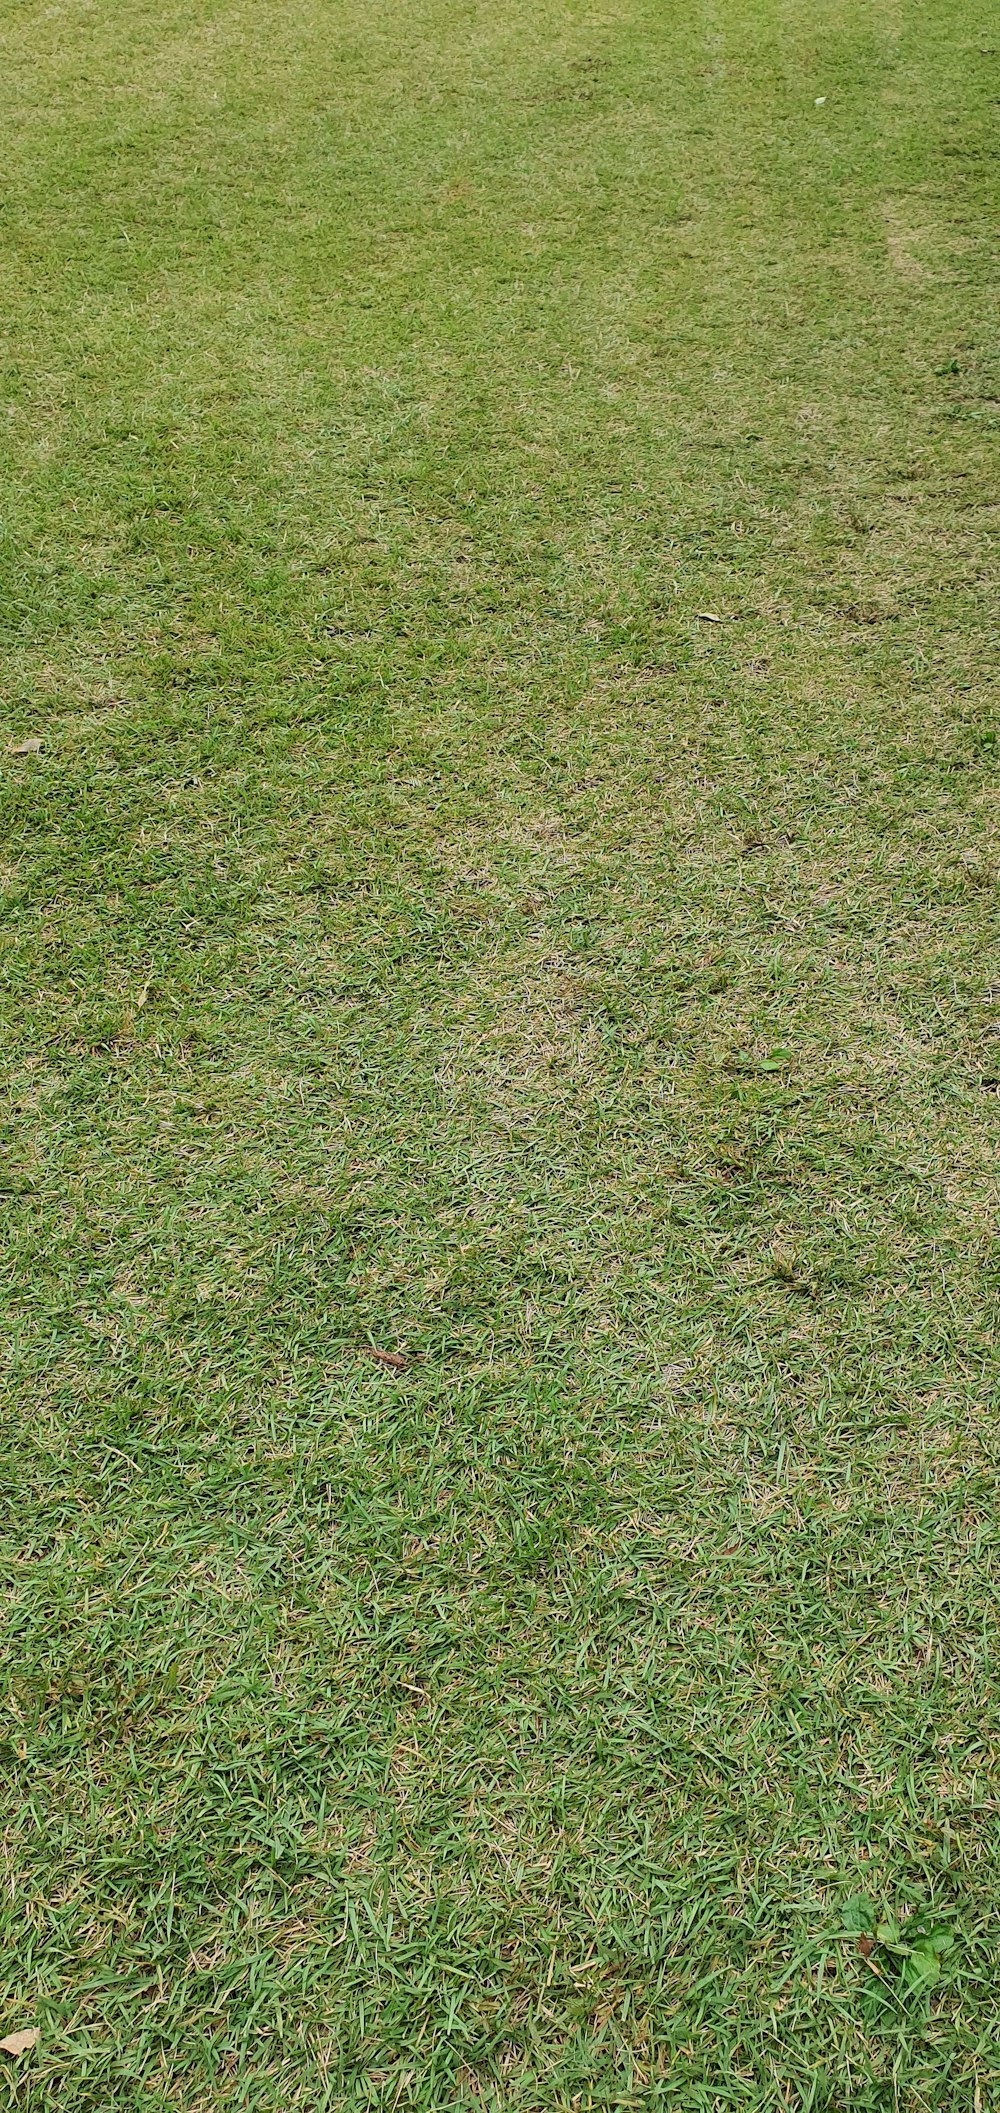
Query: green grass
(425, 929)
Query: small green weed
(904, 1960)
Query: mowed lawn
(501, 834)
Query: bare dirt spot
(903, 241)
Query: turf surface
(496, 525)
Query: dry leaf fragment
(387, 1357)
(25, 748)
(20, 2042)
(708, 616)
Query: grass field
(497, 512)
